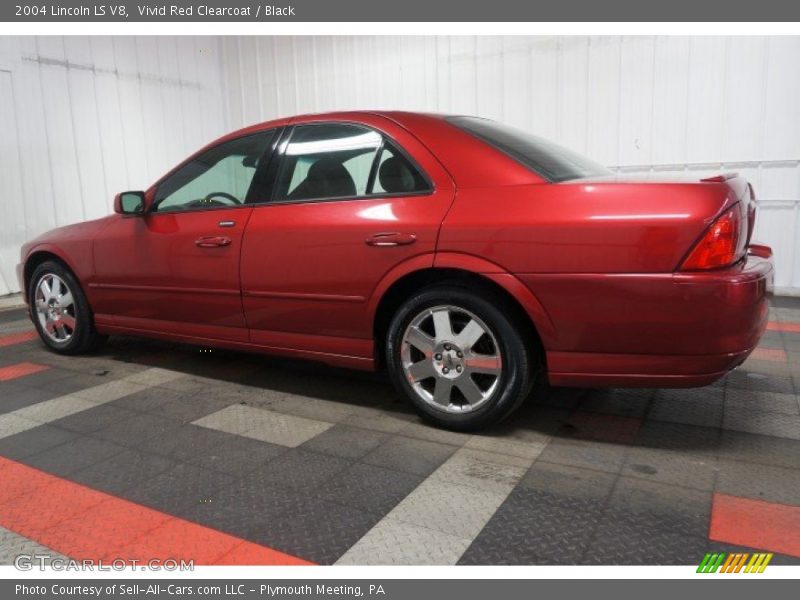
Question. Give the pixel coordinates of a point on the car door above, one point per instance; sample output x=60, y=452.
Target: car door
x=350, y=203
x=176, y=268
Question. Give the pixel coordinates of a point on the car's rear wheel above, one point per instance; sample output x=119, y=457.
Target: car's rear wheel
x=60, y=310
x=459, y=357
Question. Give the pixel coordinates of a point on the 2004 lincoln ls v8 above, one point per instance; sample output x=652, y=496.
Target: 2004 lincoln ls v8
x=465, y=256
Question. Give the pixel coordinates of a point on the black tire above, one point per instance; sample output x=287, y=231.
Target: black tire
x=518, y=355
x=83, y=338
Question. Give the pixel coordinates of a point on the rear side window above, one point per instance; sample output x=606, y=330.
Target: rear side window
x=396, y=174
x=340, y=160
x=327, y=161
x=553, y=162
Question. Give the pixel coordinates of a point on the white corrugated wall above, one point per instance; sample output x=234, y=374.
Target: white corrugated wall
x=129, y=108
x=650, y=105
x=82, y=118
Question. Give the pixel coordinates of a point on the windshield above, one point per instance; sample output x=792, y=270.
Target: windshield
x=553, y=162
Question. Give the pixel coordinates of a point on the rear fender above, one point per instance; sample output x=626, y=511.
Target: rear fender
x=470, y=264
x=518, y=290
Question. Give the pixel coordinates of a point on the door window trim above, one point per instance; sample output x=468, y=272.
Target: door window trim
x=263, y=166
x=277, y=158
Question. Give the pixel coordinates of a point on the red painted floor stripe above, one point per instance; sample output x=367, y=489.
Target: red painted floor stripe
x=17, y=338
x=20, y=370
x=83, y=523
x=770, y=354
x=785, y=326
x=756, y=524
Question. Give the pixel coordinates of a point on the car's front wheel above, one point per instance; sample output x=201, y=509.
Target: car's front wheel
x=459, y=357
x=60, y=310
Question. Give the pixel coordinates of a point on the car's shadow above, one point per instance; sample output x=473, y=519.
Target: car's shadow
x=596, y=416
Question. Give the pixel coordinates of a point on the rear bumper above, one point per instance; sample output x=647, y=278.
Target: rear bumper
x=637, y=370
x=670, y=330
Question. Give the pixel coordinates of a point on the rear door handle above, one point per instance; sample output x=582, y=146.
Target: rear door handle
x=391, y=239
x=212, y=241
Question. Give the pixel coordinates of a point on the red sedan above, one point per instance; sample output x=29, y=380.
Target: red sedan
x=466, y=257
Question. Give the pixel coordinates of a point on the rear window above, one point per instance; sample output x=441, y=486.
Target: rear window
x=553, y=162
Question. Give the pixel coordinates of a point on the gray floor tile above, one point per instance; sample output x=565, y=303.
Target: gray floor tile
x=319, y=531
x=369, y=488
x=296, y=471
x=13, y=397
x=234, y=455
x=413, y=456
x=652, y=505
x=625, y=402
x=768, y=423
x=185, y=442
x=762, y=482
x=33, y=441
x=346, y=442
x=178, y=489
x=761, y=401
x=533, y=527
x=700, y=406
x=620, y=540
x=569, y=482
x=123, y=471
x=586, y=454
x=72, y=456
x=93, y=418
x=762, y=449
x=678, y=436
x=667, y=466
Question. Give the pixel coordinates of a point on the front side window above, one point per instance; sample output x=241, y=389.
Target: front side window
x=553, y=162
x=218, y=177
x=340, y=160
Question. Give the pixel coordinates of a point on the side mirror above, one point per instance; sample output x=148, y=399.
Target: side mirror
x=129, y=203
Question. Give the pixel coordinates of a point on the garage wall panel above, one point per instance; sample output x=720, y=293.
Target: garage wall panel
x=545, y=90
x=604, y=100
x=12, y=234
x=85, y=117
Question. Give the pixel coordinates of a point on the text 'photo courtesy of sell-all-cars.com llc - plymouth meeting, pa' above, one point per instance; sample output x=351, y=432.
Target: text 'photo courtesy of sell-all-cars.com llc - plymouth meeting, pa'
x=468, y=259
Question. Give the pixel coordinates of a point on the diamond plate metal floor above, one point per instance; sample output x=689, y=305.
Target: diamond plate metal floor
x=330, y=466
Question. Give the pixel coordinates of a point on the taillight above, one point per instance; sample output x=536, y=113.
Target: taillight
x=722, y=245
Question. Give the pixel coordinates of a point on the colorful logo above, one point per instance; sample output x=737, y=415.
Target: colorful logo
x=734, y=563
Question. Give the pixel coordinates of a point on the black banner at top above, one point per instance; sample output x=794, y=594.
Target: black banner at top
x=398, y=11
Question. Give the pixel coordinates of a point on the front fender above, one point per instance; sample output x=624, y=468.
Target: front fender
x=43, y=247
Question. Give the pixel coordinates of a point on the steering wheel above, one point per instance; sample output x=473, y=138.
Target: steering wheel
x=210, y=198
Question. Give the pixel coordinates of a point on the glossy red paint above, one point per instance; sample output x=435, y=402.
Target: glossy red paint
x=594, y=263
x=151, y=269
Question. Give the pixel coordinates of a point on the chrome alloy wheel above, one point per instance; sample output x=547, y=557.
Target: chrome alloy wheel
x=451, y=359
x=55, y=308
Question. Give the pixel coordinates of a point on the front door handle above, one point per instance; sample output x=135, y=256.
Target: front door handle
x=391, y=239
x=212, y=241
